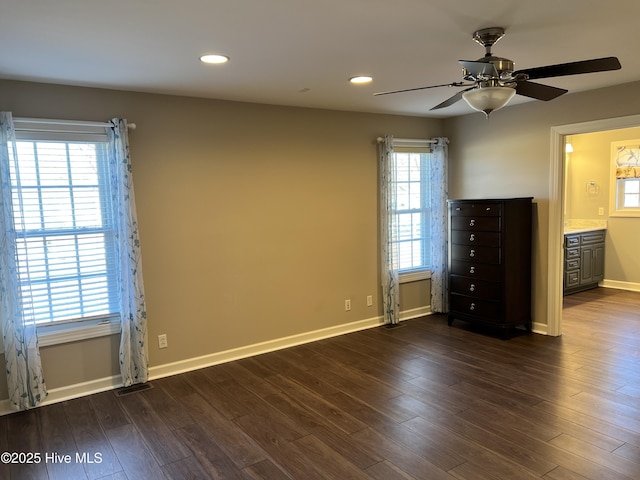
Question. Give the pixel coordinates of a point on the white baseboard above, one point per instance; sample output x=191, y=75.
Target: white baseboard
x=415, y=313
x=70, y=392
x=109, y=383
x=541, y=328
x=630, y=286
x=196, y=363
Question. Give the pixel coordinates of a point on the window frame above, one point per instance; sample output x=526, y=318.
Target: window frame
x=43, y=130
x=616, y=196
x=422, y=272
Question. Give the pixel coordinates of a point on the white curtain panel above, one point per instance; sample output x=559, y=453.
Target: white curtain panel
x=389, y=274
x=134, y=362
x=25, y=381
x=439, y=227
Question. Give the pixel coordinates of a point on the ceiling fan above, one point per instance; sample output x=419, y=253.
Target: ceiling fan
x=490, y=82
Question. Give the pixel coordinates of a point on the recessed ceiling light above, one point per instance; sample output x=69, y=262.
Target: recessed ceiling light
x=214, y=58
x=360, y=79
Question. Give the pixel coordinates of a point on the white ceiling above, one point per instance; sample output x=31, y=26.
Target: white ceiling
x=302, y=52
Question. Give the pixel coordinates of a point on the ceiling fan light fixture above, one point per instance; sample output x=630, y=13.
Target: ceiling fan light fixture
x=488, y=99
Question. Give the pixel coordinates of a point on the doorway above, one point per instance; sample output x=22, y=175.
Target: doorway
x=556, y=208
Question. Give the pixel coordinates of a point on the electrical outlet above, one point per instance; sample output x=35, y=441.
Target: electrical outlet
x=347, y=305
x=369, y=300
x=162, y=341
x=601, y=211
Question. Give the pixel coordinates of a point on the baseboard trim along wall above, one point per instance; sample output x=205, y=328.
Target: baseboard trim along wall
x=631, y=286
x=70, y=392
x=110, y=383
x=540, y=328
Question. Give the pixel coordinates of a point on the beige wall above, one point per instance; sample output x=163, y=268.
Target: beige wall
x=591, y=161
x=508, y=155
x=256, y=221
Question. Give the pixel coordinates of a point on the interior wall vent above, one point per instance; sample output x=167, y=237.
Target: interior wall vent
x=138, y=387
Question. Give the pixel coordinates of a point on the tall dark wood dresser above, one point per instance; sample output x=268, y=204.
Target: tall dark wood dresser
x=490, y=262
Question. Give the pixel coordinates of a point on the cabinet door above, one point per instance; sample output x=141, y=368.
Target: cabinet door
x=586, y=265
x=598, y=263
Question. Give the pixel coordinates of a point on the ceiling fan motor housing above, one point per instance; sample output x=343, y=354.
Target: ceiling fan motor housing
x=503, y=66
x=487, y=37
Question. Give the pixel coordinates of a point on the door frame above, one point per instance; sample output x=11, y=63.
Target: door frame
x=556, y=210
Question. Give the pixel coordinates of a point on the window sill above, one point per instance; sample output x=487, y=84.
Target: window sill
x=414, y=276
x=74, y=334
x=626, y=213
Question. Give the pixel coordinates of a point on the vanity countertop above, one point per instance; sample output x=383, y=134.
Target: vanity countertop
x=571, y=231
x=583, y=225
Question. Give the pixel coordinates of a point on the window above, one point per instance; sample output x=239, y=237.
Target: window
x=411, y=233
x=65, y=224
x=629, y=192
x=625, y=188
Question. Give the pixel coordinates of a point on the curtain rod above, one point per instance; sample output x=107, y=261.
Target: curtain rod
x=71, y=123
x=409, y=140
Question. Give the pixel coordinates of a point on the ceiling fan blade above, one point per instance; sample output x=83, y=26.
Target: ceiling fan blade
x=539, y=91
x=573, y=68
x=477, y=69
x=451, y=100
x=454, y=84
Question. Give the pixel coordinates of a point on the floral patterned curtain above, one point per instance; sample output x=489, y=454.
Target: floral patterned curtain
x=25, y=380
x=389, y=274
x=439, y=228
x=628, y=162
x=134, y=363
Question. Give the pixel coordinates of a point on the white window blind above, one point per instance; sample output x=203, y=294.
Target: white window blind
x=411, y=232
x=65, y=221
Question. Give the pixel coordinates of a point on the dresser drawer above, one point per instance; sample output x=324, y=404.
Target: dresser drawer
x=475, y=254
x=472, y=306
x=591, y=238
x=476, y=209
x=473, y=287
x=571, y=279
x=471, y=224
x=488, y=239
x=571, y=253
x=481, y=271
x=571, y=241
x=573, y=264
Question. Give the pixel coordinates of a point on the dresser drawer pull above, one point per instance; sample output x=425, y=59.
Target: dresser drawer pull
x=472, y=222
x=472, y=288
x=472, y=306
x=472, y=237
x=472, y=253
x=472, y=269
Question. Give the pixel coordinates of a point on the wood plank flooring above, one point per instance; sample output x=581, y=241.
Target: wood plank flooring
x=423, y=401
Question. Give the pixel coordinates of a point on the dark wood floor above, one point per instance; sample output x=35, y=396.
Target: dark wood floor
x=421, y=401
